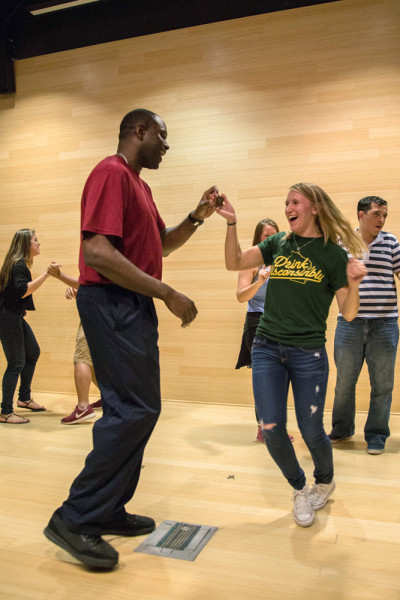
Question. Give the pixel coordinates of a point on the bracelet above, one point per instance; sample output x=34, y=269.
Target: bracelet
x=195, y=221
x=231, y=224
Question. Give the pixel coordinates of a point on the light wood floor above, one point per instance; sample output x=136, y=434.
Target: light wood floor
x=203, y=466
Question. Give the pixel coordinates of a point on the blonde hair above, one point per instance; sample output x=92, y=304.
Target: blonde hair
x=20, y=249
x=329, y=220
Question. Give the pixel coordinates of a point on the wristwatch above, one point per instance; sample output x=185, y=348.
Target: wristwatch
x=195, y=221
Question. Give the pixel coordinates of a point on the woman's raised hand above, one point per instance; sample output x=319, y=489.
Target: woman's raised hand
x=226, y=210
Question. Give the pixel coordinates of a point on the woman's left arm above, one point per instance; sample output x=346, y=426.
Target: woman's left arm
x=35, y=284
x=22, y=281
x=348, y=297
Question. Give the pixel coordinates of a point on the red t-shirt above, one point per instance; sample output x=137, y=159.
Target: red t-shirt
x=117, y=202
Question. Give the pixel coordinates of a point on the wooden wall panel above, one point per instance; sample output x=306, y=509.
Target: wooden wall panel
x=253, y=105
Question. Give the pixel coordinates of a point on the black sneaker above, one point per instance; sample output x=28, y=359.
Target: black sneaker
x=92, y=550
x=338, y=438
x=131, y=525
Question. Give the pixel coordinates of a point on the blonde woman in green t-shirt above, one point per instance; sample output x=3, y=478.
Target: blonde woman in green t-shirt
x=308, y=268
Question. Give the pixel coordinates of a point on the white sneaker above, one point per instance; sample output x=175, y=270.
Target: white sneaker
x=320, y=494
x=303, y=510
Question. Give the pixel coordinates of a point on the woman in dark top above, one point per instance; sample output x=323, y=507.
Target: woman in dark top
x=19, y=343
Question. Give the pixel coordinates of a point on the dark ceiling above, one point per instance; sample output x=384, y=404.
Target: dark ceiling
x=24, y=33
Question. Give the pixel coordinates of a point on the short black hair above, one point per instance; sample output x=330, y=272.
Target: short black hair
x=365, y=203
x=139, y=116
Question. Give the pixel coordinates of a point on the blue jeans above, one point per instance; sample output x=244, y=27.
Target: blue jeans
x=121, y=331
x=374, y=340
x=22, y=352
x=274, y=367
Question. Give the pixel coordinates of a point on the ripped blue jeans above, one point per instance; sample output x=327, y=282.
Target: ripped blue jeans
x=274, y=366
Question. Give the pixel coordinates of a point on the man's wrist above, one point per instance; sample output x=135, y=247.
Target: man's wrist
x=195, y=220
x=164, y=291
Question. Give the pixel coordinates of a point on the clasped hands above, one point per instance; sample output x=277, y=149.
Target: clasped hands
x=53, y=269
x=211, y=202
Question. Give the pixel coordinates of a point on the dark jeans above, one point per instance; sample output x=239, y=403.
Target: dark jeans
x=307, y=369
x=375, y=341
x=22, y=352
x=121, y=331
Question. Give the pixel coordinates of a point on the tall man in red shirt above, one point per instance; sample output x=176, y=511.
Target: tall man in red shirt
x=123, y=239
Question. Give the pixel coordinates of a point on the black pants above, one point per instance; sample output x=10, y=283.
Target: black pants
x=22, y=352
x=121, y=330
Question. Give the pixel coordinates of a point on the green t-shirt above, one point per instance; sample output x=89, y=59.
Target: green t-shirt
x=300, y=288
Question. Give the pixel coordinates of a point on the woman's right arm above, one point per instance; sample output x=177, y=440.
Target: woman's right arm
x=237, y=259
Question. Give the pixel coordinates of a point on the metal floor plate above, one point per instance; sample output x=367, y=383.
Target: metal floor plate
x=174, y=539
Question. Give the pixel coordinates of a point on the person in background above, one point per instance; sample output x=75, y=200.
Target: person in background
x=18, y=340
x=308, y=269
x=251, y=288
x=372, y=336
x=84, y=373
